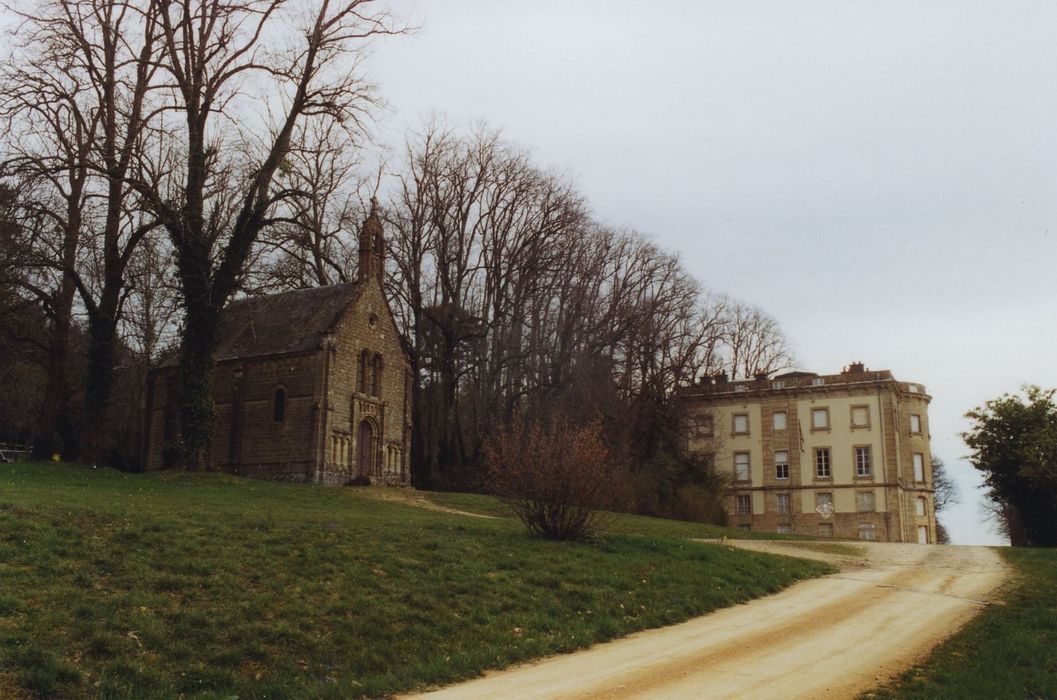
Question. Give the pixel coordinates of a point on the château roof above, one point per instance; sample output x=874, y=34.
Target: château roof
x=797, y=382
x=279, y=324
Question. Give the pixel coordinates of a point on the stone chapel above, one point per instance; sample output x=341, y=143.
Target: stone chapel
x=312, y=385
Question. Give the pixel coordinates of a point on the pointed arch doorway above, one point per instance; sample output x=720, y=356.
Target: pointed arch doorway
x=364, y=448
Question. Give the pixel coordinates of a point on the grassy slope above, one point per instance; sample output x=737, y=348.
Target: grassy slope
x=1008, y=651
x=161, y=585
x=617, y=523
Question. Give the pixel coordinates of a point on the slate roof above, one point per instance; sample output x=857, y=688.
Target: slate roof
x=279, y=324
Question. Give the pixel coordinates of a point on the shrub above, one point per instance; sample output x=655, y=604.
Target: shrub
x=557, y=480
x=680, y=486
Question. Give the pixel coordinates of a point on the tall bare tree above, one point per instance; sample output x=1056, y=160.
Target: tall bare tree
x=512, y=299
x=91, y=60
x=317, y=244
x=754, y=342
x=49, y=138
x=212, y=181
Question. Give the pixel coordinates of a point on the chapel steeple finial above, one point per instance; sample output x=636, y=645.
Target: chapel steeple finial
x=372, y=247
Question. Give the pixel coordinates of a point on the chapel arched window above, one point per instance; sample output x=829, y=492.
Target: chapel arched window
x=364, y=374
x=279, y=405
x=376, y=375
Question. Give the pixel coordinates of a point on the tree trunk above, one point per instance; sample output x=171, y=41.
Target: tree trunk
x=100, y=380
x=46, y=439
x=421, y=476
x=196, y=385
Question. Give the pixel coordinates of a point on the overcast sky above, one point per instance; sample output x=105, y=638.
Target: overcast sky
x=879, y=176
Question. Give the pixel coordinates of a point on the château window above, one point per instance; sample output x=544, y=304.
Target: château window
x=743, y=505
x=864, y=501
x=782, y=503
x=741, y=466
x=860, y=416
x=822, y=463
x=279, y=406
x=820, y=419
x=825, y=529
x=922, y=507
x=863, y=466
x=919, y=467
x=741, y=423
x=781, y=464
x=785, y=529
x=702, y=426
x=915, y=424
x=779, y=420
x=867, y=531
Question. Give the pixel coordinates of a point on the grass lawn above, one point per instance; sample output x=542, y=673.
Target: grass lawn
x=1008, y=651
x=616, y=523
x=205, y=585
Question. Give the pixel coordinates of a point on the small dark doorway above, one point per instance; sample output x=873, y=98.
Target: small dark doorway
x=365, y=447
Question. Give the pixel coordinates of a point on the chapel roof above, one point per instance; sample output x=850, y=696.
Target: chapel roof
x=279, y=324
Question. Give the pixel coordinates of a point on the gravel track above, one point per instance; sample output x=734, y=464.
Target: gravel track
x=831, y=637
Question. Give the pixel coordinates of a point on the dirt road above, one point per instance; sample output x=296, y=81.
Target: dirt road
x=832, y=637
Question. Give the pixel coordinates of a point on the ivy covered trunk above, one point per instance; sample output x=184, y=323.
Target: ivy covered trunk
x=100, y=380
x=196, y=387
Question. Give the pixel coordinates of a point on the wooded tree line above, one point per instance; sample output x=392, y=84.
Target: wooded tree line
x=1013, y=439
x=164, y=156
x=514, y=300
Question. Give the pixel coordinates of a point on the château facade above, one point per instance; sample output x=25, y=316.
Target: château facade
x=842, y=455
x=310, y=385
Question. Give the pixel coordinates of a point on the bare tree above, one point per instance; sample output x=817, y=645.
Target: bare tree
x=149, y=326
x=317, y=244
x=753, y=342
x=480, y=236
x=511, y=299
x=86, y=65
x=49, y=140
x=212, y=181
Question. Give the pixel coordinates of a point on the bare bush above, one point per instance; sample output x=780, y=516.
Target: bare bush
x=557, y=480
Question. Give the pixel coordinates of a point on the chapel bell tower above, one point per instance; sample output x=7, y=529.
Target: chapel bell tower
x=372, y=247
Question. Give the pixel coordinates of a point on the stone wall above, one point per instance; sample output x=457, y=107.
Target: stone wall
x=324, y=406
x=369, y=327
x=888, y=406
x=246, y=438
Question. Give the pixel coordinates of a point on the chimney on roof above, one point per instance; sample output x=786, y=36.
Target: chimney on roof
x=721, y=378
x=856, y=368
x=761, y=376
